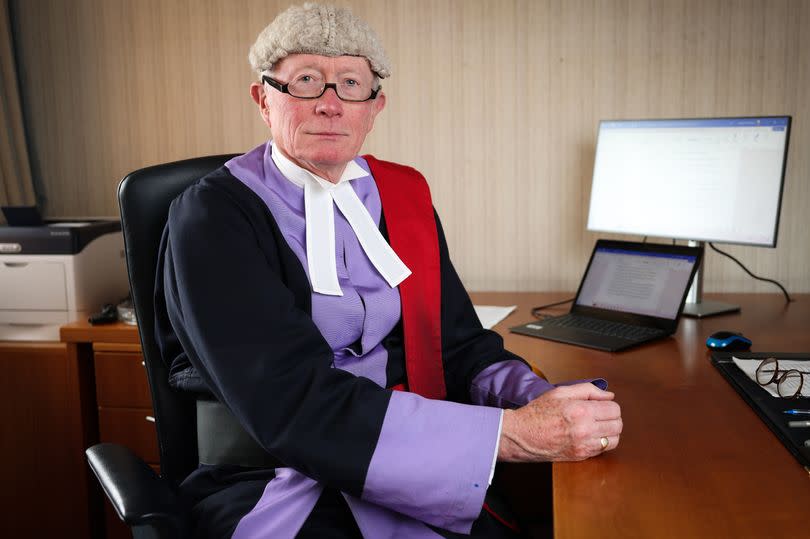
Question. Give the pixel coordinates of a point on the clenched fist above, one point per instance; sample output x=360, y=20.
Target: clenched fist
x=566, y=423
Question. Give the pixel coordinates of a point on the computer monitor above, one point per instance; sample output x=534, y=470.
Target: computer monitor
x=696, y=179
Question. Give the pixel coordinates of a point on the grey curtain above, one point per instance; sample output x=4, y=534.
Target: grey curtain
x=16, y=187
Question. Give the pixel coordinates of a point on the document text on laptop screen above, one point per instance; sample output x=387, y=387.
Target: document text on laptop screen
x=651, y=284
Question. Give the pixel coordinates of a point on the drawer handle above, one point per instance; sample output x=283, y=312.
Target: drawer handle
x=143, y=364
x=150, y=419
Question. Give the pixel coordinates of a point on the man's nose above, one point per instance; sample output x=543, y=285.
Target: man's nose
x=329, y=103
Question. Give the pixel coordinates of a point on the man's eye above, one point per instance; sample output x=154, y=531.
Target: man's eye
x=308, y=79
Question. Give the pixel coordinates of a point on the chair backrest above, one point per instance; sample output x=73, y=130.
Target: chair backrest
x=144, y=197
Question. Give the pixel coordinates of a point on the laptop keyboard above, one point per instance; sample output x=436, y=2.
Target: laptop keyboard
x=603, y=327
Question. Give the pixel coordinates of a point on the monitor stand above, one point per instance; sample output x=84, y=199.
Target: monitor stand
x=695, y=305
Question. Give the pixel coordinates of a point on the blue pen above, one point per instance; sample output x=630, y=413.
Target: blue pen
x=797, y=412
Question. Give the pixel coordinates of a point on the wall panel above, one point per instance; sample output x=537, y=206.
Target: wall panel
x=496, y=102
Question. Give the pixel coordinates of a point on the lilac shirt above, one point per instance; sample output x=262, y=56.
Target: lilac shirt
x=442, y=478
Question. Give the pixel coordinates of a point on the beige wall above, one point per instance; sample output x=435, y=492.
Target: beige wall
x=496, y=102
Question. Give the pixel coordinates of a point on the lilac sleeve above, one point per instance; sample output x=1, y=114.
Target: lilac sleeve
x=512, y=383
x=433, y=459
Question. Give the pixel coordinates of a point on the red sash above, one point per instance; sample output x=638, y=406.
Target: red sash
x=408, y=213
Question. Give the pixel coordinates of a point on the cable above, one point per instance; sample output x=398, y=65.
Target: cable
x=536, y=310
x=787, y=297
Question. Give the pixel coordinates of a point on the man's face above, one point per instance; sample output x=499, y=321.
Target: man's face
x=322, y=134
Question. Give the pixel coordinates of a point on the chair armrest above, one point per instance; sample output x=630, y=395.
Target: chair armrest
x=138, y=494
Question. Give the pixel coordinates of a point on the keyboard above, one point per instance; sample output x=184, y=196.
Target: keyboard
x=603, y=327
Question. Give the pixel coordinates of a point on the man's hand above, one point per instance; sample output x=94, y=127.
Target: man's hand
x=566, y=423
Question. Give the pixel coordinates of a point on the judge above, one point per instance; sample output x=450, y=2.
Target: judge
x=305, y=294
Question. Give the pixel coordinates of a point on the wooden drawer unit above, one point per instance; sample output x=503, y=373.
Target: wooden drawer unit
x=123, y=404
x=121, y=379
x=130, y=427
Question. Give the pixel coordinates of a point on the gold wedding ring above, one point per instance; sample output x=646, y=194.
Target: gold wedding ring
x=605, y=442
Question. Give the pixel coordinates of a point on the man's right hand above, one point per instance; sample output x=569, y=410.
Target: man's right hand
x=566, y=423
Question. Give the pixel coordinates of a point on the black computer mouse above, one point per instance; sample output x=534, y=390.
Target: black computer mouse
x=728, y=340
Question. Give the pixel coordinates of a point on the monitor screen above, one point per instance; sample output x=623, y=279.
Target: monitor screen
x=639, y=282
x=717, y=179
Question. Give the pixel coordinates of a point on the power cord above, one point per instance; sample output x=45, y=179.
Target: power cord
x=540, y=316
x=782, y=288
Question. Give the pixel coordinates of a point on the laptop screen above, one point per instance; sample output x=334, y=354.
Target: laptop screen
x=639, y=282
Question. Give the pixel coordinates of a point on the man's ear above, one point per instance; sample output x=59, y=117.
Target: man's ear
x=379, y=102
x=377, y=107
x=259, y=97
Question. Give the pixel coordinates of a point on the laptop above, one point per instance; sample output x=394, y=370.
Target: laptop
x=631, y=293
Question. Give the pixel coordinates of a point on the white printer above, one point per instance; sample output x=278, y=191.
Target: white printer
x=55, y=273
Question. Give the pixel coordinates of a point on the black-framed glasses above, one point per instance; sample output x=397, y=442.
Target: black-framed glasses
x=309, y=87
x=789, y=382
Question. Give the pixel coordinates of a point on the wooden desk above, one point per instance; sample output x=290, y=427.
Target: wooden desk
x=694, y=459
x=45, y=427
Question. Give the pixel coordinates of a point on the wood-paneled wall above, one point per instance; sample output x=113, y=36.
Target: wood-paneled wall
x=496, y=102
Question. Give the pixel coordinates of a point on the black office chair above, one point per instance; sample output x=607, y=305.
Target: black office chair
x=145, y=502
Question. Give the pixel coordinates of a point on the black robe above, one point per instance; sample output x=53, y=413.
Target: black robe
x=233, y=321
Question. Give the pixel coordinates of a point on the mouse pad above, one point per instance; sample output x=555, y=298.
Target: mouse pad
x=770, y=409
